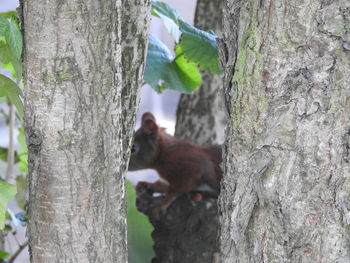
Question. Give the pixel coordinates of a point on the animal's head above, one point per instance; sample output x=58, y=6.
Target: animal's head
x=145, y=148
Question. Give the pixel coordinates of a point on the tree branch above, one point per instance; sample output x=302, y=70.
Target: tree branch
x=18, y=251
x=187, y=232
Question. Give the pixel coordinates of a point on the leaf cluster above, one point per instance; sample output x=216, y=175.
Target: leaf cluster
x=194, y=49
x=11, y=45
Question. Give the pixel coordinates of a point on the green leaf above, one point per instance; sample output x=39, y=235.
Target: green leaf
x=4, y=255
x=9, y=14
x=139, y=231
x=8, y=86
x=22, y=218
x=7, y=193
x=14, y=99
x=7, y=56
x=3, y=92
x=3, y=155
x=12, y=91
x=161, y=8
x=200, y=47
x=170, y=18
x=4, y=25
x=190, y=74
x=7, y=216
x=14, y=38
x=7, y=228
x=21, y=183
x=162, y=71
x=23, y=151
x=10, y=68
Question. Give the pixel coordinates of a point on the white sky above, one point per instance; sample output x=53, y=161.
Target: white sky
x=8, y=5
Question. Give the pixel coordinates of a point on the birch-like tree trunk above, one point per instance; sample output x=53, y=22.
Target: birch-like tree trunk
x=201, y=115
x=285, y=194
x=83, y=67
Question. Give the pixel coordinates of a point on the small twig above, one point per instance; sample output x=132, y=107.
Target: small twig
x=4, y=113
x=11, y=148
x=15, y=237
x=18, y=251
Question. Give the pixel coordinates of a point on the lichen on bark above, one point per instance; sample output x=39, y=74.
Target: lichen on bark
x=288, y=100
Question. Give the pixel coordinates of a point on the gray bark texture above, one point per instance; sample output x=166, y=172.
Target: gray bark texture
x=285, y=192
x=187, y=233
x=83, y=67
x=201, y=114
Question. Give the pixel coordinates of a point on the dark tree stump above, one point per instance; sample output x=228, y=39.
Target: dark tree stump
x=187, y=232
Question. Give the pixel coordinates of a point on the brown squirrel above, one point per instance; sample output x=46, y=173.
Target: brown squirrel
x=182, y=166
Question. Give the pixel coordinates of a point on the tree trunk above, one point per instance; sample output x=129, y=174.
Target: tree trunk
x=200, y=115
x=78, y=100
x=187, y=232
x=285, y=194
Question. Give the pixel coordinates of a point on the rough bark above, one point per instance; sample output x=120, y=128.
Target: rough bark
x=285, y=193
x=135, y=29
x=77, y=102
x=200, y=115
x=186, y=233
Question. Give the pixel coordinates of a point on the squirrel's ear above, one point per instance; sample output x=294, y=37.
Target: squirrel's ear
x=149, y=125
x=148, y=116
